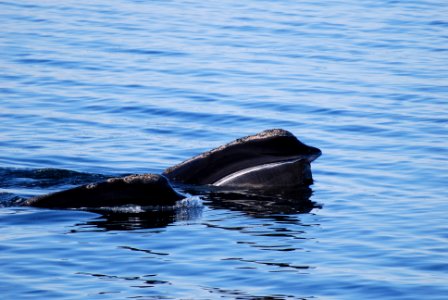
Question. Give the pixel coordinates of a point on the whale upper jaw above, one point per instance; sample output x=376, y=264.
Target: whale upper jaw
x=250, y=153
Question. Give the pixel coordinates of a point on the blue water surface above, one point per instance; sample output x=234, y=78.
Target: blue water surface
x=92, y=89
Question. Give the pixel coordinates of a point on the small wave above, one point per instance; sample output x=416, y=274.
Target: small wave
x=189, y=202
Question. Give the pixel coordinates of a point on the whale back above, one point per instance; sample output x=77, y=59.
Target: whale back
x=269, y=146
x=143, y=190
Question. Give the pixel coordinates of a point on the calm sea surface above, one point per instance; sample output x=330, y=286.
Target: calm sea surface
x=91, y=89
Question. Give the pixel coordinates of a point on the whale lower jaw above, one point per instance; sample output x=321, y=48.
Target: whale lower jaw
x=289, y=173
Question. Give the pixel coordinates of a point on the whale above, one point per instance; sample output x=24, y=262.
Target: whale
x=273, y=159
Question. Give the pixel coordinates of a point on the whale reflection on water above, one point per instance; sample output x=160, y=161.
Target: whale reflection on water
x=271, y=204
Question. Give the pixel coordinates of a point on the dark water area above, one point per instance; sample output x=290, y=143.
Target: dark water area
x=94, y=89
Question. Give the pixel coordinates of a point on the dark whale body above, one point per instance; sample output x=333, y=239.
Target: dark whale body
x=272, y=159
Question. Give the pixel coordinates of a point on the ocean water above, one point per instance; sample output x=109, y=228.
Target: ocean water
x=93, y=89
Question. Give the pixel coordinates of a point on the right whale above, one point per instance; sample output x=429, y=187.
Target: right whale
x=273, y=158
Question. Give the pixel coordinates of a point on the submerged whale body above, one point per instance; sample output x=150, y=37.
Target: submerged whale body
x=272, y=159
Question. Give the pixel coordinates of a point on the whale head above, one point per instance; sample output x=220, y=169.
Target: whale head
x=272, y=158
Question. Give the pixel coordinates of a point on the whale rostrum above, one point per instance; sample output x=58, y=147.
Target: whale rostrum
x=272, y=159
